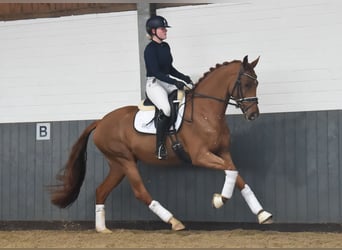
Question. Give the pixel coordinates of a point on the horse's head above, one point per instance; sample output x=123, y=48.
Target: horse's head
x=244, y=91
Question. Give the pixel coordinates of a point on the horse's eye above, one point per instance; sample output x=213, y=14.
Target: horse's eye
x=248, y=85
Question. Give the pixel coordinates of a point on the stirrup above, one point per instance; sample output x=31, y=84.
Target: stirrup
x=161, y=152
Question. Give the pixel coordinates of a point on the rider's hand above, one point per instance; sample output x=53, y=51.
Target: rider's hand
x=179, y=84
x=187, y=79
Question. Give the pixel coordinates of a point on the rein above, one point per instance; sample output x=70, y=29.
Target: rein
x=237, y=101
x=229, y=97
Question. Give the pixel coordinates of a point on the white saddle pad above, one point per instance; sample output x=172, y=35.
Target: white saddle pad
x=143, y=120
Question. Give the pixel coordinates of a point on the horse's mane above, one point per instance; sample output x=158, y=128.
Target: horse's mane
x=218, y=65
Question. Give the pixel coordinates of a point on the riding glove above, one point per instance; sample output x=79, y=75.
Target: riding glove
x=187, y=79
x=179, y=84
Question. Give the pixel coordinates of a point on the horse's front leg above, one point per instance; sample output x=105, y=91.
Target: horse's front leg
x=254, y=205
x=227, y=190
x=233, y=178
x=222, y=162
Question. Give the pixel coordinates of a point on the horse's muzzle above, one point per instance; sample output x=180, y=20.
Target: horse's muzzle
x=250, y=109
x=252, y=116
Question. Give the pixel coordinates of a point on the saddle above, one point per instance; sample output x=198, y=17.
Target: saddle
x=145, y=120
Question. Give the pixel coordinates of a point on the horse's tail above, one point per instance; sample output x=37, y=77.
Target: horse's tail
x=72, y=175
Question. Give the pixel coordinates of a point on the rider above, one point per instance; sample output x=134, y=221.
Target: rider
x=159, y=69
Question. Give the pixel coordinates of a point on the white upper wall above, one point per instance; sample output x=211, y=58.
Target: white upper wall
x=82, y=67
x=299, y=43
x=68, y=68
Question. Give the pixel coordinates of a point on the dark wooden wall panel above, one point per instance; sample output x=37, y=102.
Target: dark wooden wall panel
x=18, y=11
x=292, y=161
x=311, y=167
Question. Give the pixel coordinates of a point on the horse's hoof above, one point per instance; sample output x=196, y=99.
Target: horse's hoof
x=265, y=217
x=176, y=224
x=218, y=200
x=104, y=231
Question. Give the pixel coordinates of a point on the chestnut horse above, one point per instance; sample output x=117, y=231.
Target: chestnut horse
x=204, y=135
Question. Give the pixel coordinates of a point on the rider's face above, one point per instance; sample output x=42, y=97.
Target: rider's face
x=161, y=33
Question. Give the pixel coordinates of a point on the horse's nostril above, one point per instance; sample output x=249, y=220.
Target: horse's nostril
x=252, y=117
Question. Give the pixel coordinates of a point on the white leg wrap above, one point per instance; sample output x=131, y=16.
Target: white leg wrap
x=229, y=183
x=159, y=210
x=251, y=200
x=100, y=219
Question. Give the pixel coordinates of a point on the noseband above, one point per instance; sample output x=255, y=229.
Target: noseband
x=237, y=101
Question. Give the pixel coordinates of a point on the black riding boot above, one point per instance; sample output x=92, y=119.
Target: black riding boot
x=162, y=126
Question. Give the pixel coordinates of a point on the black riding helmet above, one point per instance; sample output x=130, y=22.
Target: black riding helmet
x=155, y=22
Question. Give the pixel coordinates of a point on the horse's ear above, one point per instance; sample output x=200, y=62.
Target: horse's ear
x=245, y=62
x=255, y=62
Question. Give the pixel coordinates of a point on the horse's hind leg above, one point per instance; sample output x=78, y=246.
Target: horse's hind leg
x=264, y=217
x=113, y=179
x=140, y=192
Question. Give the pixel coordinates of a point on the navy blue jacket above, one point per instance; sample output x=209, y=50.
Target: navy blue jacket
x=158, y=62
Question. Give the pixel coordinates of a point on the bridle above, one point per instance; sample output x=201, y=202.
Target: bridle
x=238, y=102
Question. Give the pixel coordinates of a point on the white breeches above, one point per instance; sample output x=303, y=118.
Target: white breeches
x=157, y=91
